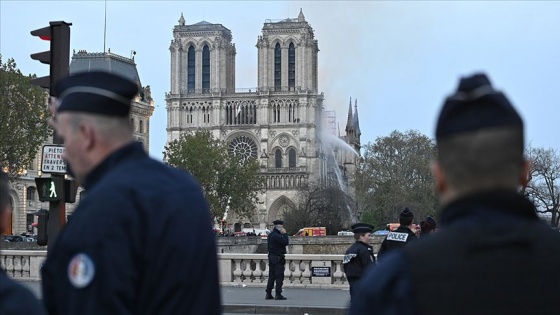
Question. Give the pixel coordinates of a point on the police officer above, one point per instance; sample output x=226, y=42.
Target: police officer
x=14, y=298
x=125, y=250
x=277, y=242
x=400, y=236
x=492, y=254
x=427, y=226
x=359, y=256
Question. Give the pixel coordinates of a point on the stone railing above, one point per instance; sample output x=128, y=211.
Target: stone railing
x=23, y=264
x=301, y=270
x=235, y=269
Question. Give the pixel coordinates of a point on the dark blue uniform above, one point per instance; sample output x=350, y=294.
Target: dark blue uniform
x=277, y=243
x=492, y=256
x=140, y=242
x=356, y=260
x=15, y=299
x=395, y=240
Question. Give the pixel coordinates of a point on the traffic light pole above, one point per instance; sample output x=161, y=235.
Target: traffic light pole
x=58, y=33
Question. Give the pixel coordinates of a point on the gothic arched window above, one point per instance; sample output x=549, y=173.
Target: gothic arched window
x=291, y=66
x=292, y=158
x=205, y=69
x=278, y=158
x=190, y=69
x=277, y=67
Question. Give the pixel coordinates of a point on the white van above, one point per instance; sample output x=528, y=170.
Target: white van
x=262, y=232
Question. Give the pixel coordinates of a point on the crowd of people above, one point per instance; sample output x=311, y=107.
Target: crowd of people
x=490, y=254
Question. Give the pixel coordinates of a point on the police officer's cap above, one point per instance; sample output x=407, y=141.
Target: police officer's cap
x=278, y=222
x=475, y=105
x=406, y=213
x=362, y=228
x=96, y=92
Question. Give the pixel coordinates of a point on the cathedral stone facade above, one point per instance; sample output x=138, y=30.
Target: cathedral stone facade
x=280, y=122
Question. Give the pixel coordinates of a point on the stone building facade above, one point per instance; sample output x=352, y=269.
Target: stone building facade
x=281, y=122
x=24, y=196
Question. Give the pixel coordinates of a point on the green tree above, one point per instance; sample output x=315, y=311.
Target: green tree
x=544, y=182
x=394, y=174
x=24, y=115
x=226, y=179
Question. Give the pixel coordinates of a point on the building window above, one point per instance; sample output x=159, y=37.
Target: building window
x=141, y=126
x=278, y=158
x=190, y=68
x=132, y=124
x=291, y=66
x=292, y=158
x=205, y=69
x=277, y=67
x=31, y=193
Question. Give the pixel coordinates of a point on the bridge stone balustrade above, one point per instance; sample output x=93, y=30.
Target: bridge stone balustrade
x=234, y=269
x=252, y=270
x=23, y=264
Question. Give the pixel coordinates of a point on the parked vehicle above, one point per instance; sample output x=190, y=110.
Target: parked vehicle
x=414, y=227
x=312, y=231
x=345, y=233
x=13, y=238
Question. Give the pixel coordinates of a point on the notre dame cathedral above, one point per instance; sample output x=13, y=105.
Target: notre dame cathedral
x=282, y=122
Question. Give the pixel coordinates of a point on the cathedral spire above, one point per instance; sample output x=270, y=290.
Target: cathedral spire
x=349, y=122
x=356, y=120
x=301, y=17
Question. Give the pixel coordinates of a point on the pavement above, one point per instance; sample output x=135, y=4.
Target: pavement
x=250, y=300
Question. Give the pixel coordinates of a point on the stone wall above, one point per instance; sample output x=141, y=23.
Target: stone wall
x=330, y=245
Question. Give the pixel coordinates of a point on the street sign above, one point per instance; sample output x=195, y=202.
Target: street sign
x=52, y=161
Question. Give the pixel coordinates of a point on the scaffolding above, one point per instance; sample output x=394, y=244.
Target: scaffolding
x=330, y=122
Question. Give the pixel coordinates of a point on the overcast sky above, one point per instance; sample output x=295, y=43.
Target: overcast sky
x=398, y=58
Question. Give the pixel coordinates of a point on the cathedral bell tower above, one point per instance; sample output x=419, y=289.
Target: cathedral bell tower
x=287, y=56
x=202, y=58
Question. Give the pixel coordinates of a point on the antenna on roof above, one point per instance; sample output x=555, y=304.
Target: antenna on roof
x=132, y=54
x=105, y=27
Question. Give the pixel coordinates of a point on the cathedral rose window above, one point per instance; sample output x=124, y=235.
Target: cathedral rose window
x=243, y=146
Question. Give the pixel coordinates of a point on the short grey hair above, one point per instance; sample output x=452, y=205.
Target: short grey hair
x=483, y=159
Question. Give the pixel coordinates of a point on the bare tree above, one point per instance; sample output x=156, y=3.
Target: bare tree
x=544, y=182
x=326, y=206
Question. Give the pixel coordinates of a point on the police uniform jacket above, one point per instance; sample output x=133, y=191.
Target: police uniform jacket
x=357, y=258
x=140, y=242
x=277, y=243
x=396, y=239
x=492, y=256
x=15, y=299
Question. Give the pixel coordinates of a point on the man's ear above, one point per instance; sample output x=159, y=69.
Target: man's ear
x=439, y=176
x=87, y=136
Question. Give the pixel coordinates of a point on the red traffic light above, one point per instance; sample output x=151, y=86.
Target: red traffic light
x=43, y=33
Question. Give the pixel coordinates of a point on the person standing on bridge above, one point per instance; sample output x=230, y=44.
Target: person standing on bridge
x=492, y=254
x=359, y=256
x=14, y=298
x=277, y=242
x=427, y=226
x=125, y=250
x=399, y=237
